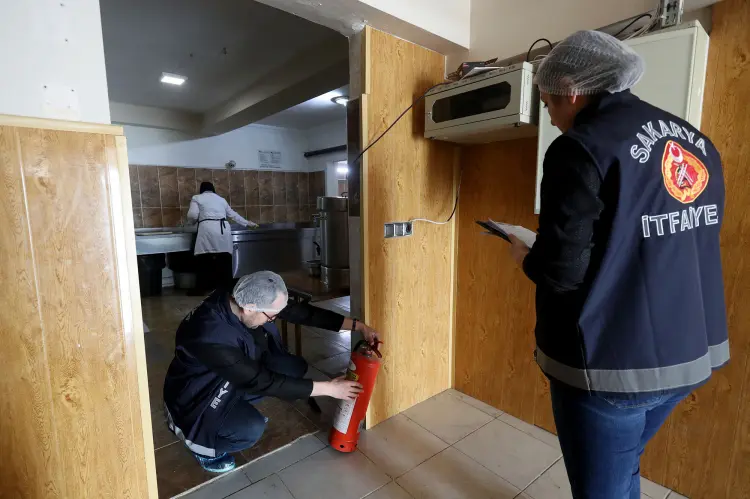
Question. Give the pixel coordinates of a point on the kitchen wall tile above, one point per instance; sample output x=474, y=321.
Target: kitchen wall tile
x=303, y=187
x=152, y=217
x=305, y=214
x=202, y=175
x=253, y=214
x=168, y=187
x=236, y=188
x=266, y=215
x=221, y=183
x=317, y=186
x=265, y=186
x=186, y=185
x=148, y=178
x=279, y=213
x=135, y=186
x=241, y=211
x=291, y=179
x=171, y=217
x=137, y=218
x=292, y=213
x=279, y=188
x=252, y=188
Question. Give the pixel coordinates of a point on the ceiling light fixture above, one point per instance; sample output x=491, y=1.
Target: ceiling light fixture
x=341, y=100
x=173, y=79
x=342, y=170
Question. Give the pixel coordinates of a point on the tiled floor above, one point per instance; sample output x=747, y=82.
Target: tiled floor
x=177, y=470
x=448, y=447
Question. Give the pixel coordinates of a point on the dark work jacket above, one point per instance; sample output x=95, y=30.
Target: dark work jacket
x=218, y=361
x=630, y=296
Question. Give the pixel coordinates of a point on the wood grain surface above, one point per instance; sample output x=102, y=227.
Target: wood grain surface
x=72, y=419
x=407, y=281
x=495, y=314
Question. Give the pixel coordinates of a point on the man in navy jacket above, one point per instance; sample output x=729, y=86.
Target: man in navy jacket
x=630, y=296
x=228, y=355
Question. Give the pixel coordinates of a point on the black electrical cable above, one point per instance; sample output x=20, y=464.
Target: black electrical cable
x=458, y=191
x=528, y=54
x=394, y=123
x=632, y=23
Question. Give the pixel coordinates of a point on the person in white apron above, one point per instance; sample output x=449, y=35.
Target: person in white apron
x=213, y=246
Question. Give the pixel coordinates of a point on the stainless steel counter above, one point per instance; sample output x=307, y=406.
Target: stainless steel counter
x=279, y=247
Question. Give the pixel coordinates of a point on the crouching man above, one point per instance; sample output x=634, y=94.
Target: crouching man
x=229, y=355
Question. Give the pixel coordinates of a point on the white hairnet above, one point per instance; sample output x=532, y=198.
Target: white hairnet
x=589, y=62
x=260, y=289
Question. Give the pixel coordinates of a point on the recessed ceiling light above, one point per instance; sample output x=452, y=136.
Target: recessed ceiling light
x=173, y=79
x=341, y=99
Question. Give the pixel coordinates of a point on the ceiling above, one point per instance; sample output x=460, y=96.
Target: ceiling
x=312, y=113
x=143, y=38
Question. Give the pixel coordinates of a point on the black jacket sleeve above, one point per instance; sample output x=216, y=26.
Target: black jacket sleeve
x=248, y=375
x=305, y=314
x=570, y=206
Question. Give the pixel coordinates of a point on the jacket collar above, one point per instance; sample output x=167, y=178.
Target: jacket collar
x=601, y=102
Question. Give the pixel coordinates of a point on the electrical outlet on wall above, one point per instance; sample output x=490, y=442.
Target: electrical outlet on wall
x=398, y=229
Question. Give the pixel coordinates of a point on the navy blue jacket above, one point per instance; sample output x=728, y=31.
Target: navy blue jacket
x=218, y=361
x=630, y=295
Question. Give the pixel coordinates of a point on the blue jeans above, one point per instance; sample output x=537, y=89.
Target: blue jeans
x=602, y=438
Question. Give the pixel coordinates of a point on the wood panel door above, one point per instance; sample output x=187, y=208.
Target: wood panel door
x=408, y=282
x=74, y=416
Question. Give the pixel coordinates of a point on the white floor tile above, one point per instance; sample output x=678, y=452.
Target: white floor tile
x=283, y=458
x=536, y=432
x=509, y=452
x=390, y=491
x=478, y=404
x=675, y=495
x=399, y=445
x=553, y=484
x=448, y=417
x=653, y=490
x=453, y=475
x=221, y=487
x=328, y=474
x=270, y=488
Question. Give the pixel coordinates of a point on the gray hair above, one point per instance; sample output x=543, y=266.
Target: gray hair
x=260, y=289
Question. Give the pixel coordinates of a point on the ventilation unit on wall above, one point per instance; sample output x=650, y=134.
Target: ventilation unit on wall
x=499, y=105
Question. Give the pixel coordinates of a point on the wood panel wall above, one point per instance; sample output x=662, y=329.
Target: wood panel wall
x=407, y=281
x=703, y=451
x=495, y=302
x=74, y=415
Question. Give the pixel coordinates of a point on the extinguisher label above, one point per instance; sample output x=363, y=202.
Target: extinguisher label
x=343, y=415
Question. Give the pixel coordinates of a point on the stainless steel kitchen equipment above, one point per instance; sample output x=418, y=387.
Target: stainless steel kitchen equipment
x=334, y=240
x=279, y=247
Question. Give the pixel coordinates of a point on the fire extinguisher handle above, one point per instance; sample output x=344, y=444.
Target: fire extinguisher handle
x=373, y=348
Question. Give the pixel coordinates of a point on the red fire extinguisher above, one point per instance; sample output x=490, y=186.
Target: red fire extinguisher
x=350, y=414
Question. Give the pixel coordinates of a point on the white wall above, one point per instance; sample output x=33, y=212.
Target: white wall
x=57, y=45
x=505, y=28
x=449, y=19
x=322, y=137
x=159, y=147
x=153, y=146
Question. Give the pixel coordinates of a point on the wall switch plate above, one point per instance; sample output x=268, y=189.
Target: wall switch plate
x=398, y=229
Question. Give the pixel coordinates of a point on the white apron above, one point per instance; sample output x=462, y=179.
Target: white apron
x=210, y=211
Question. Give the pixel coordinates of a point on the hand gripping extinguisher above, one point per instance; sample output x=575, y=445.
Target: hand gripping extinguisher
x=350, y=414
